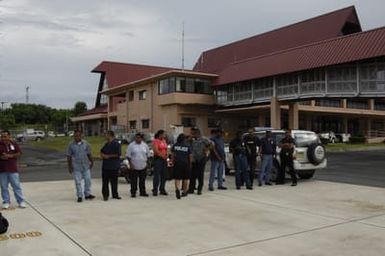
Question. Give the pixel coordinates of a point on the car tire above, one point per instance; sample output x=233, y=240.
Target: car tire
x=316, y=153
x=306, y=174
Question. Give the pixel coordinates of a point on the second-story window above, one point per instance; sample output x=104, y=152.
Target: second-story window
x=142, y=95
x=130, y=95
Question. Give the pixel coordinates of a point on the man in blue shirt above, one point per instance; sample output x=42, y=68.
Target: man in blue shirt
x=267, y=151
x=217, y=156
x=80, y=163
x=110, y=153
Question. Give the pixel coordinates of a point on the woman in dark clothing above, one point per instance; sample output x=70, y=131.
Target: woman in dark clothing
x=182, y=158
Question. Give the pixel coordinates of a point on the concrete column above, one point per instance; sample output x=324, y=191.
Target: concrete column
x=344, y=103
x=293, y=116
x=345, y=124
x=261, y=120
x=371, y=104
x=275, y=113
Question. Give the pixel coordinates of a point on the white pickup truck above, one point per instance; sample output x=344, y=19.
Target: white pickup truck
x=30, y=134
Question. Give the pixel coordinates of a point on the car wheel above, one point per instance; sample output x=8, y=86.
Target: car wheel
x=316, y=153
x=306, y=174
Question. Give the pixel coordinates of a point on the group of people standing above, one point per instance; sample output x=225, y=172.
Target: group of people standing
x=187, y=157
x=245, y=150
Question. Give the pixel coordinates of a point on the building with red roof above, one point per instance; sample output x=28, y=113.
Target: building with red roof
x=323, y=73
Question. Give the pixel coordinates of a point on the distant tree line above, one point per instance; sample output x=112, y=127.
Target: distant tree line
x=37, y=114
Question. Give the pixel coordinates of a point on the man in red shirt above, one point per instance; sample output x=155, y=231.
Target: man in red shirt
x=9, y=152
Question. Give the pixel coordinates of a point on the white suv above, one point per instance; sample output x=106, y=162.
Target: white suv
x=310, y=154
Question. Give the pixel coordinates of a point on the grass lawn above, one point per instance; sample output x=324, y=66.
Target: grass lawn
x=61, y=144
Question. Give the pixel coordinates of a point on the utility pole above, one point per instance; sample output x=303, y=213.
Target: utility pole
x=27, y=94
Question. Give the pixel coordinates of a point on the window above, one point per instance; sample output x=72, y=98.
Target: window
x=213, y=122
x=358, y=104
x=188, y=121
x=133, y=124
x=145, y=123
x=313, y=81
x=142, y=95
x=103, y=99
x=328, y=103
x=342, y=79
x=287, y=84
x=130, y=95
x=185, y=84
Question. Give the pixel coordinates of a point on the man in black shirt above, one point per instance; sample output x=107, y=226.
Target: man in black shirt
x=251, y=142
x=110, y=153
x=237, y=147
x=287, y=160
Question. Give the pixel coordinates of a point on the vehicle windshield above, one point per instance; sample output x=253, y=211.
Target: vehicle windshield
x=304, y=139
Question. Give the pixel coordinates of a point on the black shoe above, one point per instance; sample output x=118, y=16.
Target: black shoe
x=249, y=188
x=154, y=193
x=133, y=195
x=199, y=192
x=117, y=197
x=163, y=193
x=105, y=198
x=191, y=191
x=184, y=194
x=279, y=183
x=268, y=183
x=89, y=197
x=80, y=199
x=177, y=193
x=211, y=189
x=222, y=188
x=294, y=184
x=144, y=194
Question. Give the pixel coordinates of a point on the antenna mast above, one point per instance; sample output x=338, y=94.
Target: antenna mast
x=183, y=46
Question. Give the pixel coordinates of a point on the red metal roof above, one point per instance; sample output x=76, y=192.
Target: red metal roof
x=323, y=27
x=120, y=73
x=97, y=110
x=335, y=51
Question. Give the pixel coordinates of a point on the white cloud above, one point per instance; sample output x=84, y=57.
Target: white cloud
x=53, y=45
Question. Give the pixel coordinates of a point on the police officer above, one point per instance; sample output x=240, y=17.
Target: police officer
x=237, y=147
x=286, y=155
x=251, y=142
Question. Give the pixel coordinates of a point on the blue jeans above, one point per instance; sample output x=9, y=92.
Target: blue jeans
x=267, y=164
x=241, y=171
x=160, y=175
x=12, y=178
x=216, y=166
x=78, y=175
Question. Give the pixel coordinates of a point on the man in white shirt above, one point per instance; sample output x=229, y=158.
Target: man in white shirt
x=137, y=154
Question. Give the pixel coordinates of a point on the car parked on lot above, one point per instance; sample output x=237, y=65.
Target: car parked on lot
x=30, y=135
x=310, y=154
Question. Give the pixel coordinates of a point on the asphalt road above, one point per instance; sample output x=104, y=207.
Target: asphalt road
x=361, y=168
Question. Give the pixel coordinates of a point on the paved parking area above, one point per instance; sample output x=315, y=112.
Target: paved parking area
x=315, y=218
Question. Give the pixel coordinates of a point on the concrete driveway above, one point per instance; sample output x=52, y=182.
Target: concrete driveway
x=315, y=218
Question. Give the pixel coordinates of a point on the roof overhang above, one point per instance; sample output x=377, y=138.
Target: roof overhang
x=89, y=117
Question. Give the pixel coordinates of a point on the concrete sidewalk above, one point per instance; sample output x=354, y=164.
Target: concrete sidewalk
x=315, y=218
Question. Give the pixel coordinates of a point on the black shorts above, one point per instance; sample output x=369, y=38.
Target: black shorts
x=181, y=171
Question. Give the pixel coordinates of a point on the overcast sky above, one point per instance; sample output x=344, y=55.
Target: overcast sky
x=52, y=45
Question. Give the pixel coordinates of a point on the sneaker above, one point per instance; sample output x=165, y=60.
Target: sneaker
x=80, y=199
x=5, y=206
x=222, y=188
x=89, y=197
x=23, y=205
x=177, y=193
